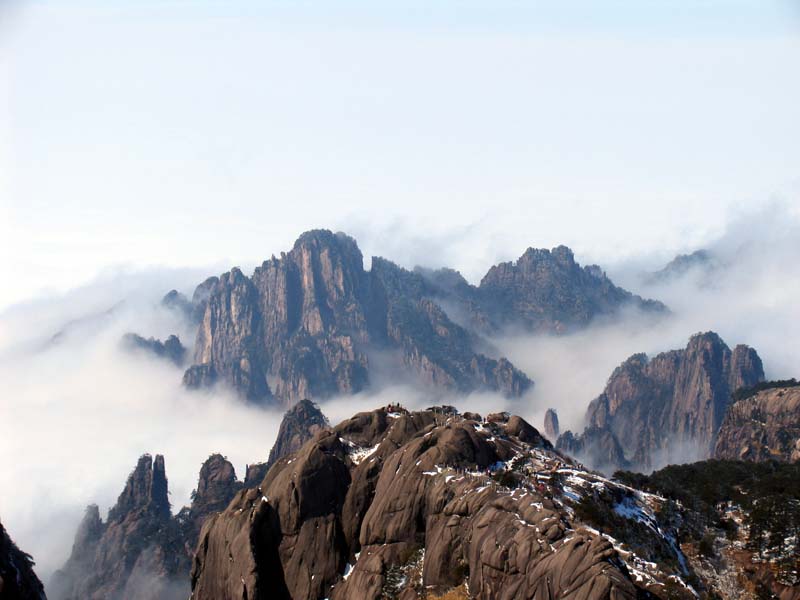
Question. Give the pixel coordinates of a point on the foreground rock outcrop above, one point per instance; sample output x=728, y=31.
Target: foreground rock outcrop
x=299, y=424
x=392, y=504
x=763, y=426
x=18, y=581
x=668, y=408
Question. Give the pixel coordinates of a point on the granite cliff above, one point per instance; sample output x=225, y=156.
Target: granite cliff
x=305, y=324
x=141, y=551
x=544, y=291
x=665, y=409
x=551, y=427
x=299, y=424
x=314, y=323
x=763, y=426
x=136, y=553
x=392, y=504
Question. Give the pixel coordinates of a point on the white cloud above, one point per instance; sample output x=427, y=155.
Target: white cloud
x=75, y=415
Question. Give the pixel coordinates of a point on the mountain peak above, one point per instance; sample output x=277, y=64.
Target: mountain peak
x=325, y=238
x=657, y=408
x=216, y=470
x=706, y=337
x=146, y=489
x=562, y=254
x=300, y=423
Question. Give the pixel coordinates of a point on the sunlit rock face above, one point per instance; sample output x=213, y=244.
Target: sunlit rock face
x=763, y=426
x=401, y=504
x=305, y=324
x=309, y=323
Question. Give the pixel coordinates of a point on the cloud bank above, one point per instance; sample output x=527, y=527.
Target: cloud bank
x=78, y=410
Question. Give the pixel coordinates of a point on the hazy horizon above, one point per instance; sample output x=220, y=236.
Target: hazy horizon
x=205, y=134
x=145, y=146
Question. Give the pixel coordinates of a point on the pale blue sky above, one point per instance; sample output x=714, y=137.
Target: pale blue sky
x=191, y=133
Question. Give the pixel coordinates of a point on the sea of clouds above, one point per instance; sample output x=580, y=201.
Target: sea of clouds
x=78, y=409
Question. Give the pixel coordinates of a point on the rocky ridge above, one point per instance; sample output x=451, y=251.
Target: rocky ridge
x=193, y=309
x=544, y=291
x=665, y=409
x=141, y=551
x=408, y=505
x=396, y=504
x=700, y=261
x=762, y=427
x=304, y=326
x=314, y=323
x=136, y=553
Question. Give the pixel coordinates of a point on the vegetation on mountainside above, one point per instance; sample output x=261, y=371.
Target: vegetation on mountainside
x=747, y=392
x=766, y=493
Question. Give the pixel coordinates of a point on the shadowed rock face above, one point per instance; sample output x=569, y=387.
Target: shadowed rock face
x=255, y=474
x=299, y=424
x=765, y=426
x=171, y=348
x=304, y=326
x=17, y=578
x=398, y=504
x=669, y=408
